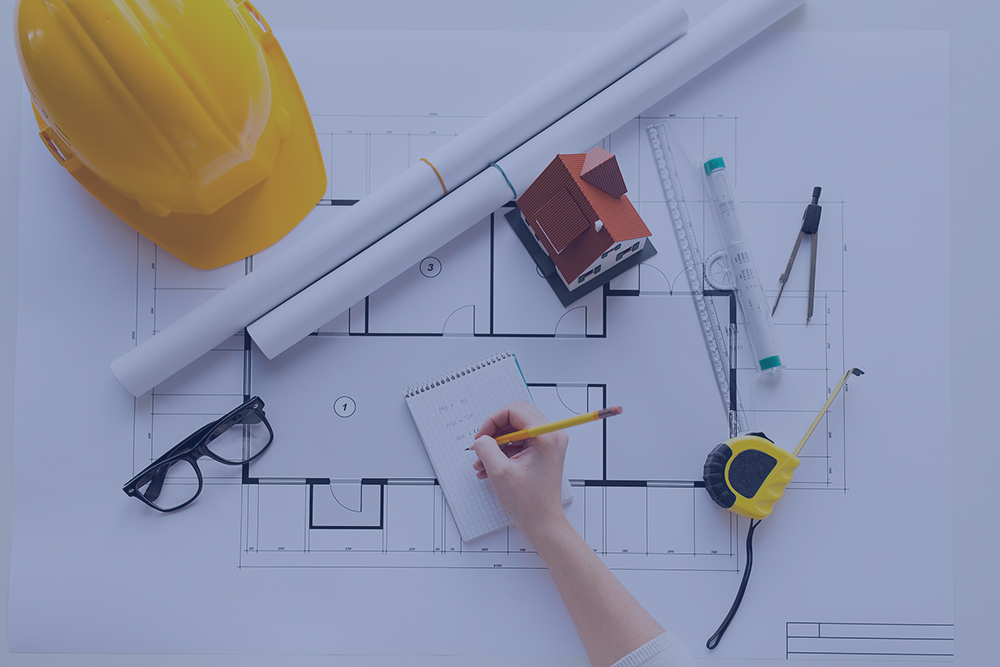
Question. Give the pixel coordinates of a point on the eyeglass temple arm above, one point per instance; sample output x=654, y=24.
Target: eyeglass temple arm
x=186, y=442
x=152, y=491
x=243, y=416
x=156, y=484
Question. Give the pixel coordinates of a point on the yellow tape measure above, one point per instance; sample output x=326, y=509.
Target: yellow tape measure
x=748, y=474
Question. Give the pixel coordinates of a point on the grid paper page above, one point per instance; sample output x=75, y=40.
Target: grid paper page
x=448, y=412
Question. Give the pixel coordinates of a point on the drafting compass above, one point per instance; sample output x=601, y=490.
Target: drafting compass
x=810, y=225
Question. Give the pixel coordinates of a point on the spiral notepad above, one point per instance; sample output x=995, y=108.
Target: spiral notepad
x=448, y=411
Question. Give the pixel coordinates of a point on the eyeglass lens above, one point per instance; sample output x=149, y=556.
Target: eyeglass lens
x=240, y=441
x=171, y=485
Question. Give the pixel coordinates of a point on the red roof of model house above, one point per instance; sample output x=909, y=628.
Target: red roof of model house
x=564, y=204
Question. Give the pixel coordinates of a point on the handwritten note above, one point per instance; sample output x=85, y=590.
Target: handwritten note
x=448, y=411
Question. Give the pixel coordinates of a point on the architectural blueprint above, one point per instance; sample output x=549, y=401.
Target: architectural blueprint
x=345, y=502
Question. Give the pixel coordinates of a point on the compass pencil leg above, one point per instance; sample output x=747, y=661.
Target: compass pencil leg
x=812, y=273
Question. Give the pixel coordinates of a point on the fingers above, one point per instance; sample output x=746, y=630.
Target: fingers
x=496, y=423
x=491, y=457
x=512, y=417
x=494, y=461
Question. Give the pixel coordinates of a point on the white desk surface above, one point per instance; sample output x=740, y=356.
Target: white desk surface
x=975, y=311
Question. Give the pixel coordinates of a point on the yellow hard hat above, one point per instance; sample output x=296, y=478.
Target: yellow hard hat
x=181, y=116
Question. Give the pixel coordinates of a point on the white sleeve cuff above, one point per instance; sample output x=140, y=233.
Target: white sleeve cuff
x=663, y=651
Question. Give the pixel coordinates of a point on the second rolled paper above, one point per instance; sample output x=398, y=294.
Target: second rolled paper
x=708, y=42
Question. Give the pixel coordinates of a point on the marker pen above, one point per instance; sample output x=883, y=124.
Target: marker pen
x=748, y=288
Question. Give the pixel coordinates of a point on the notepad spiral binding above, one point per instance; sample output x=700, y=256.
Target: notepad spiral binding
x=413, y=390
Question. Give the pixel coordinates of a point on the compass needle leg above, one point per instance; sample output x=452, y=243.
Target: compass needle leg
x=810, y=226
x=788, y=269
x=812, y=273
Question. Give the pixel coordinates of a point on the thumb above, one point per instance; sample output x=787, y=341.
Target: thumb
x=489, y=452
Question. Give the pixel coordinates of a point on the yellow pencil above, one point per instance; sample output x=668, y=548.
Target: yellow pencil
x=542, y=429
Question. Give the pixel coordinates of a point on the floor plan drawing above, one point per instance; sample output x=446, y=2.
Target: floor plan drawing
x=344, y=506
x=364, y=494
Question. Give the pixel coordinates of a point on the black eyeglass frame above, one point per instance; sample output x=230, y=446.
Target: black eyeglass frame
x=194, y=447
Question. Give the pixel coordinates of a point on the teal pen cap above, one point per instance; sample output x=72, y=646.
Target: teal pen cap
x=713, y=164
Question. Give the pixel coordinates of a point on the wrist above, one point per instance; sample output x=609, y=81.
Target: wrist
x=552, y=536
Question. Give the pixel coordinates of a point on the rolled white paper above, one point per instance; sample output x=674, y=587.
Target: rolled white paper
x=363, y=274
x=208, y=325
x=559, y=93
x=708, y=42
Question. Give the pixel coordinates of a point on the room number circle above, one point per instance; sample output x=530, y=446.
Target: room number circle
x=430, y=267
x=344, y=406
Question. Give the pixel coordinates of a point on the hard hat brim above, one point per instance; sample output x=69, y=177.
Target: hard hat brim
x=253, y=221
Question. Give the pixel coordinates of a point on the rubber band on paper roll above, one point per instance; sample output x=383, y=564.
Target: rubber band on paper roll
x=438, y=173
x=509, y=184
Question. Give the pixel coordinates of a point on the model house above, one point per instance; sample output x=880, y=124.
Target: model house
x=579, y=215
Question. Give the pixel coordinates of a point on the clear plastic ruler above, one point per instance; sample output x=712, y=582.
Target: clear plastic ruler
x=693, y=266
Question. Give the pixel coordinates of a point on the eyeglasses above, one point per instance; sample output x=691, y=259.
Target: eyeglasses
x=174, y=480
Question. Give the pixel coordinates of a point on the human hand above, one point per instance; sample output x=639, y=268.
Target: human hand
x=526, y=475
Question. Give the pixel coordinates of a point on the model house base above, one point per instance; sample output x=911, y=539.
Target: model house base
x=548, y=268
